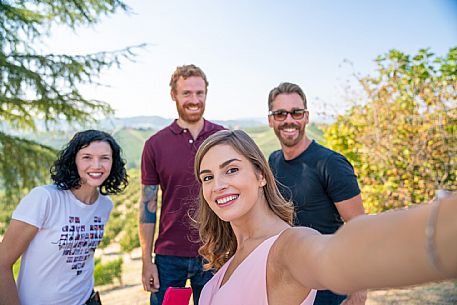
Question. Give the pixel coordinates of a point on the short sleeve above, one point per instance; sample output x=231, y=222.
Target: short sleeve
x=33, y=208
x=340, y=178
x=270, y=161
x=149, y=174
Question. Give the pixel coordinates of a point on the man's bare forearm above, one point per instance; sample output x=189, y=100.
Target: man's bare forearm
x=147, y=219
x=148, y=203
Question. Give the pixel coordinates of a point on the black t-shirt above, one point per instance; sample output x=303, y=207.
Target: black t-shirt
x=314, y=181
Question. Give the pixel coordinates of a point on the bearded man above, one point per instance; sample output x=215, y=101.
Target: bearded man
x=168, y=162
x=320, y=182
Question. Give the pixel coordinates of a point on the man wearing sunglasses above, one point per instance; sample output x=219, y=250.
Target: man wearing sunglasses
x=320, y=182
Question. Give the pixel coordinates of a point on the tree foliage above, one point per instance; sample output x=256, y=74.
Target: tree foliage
x=105, y=273
x=403, y=140
x=36, y=86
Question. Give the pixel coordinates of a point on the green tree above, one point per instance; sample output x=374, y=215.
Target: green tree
x=36, y=86
x=403, y=140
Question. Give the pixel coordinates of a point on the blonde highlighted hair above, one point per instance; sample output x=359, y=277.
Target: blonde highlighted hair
x=219, y=241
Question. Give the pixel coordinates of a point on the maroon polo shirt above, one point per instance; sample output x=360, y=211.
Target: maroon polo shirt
x=168, y=160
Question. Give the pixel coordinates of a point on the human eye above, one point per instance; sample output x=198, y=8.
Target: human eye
x=232, y=170
x=186, y=93
x=280, y=114
x=206, y=178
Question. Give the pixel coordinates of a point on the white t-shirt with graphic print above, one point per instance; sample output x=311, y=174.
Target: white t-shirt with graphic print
x=57, y=267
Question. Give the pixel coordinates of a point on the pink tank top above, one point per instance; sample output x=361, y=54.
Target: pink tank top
x=248, y=283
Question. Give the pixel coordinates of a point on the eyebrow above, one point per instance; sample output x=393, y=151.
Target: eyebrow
x=223, y=164
x=284, y=110
x=102, y=155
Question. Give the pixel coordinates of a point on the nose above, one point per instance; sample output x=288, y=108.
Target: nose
x=96, y=163
x=195, y=98
x=219, y=184
x=289, y=118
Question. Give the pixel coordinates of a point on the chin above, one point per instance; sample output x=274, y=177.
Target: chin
x=289, y=143
x=194, y=118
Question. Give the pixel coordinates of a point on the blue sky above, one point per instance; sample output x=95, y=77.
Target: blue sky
x=248, y=47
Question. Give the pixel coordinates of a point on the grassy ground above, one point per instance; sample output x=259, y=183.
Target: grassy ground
x=131, y=292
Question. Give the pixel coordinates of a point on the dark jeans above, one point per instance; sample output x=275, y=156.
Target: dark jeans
x=174, y=272
x=326, y=297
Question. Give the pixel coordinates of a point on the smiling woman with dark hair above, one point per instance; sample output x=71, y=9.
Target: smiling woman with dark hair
x=56, y=228
x=64, y=172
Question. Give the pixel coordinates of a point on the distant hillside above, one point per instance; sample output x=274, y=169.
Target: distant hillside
x=132, y=141
x=131, y=133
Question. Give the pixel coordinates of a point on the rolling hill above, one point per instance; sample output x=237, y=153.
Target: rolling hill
x=131, y=133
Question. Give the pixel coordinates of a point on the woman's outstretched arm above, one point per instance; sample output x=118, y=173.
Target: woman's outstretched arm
x=391, y=249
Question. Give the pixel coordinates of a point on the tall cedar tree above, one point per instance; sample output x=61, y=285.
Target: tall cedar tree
x=44, y=86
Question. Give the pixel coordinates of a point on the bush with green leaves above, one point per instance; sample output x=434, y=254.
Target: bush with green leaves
x=402, y=137
x=106, y=273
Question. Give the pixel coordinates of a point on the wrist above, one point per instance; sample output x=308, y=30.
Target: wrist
x=149, y=259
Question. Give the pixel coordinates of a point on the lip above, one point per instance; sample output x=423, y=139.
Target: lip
x=289, y=132
x=229, y=202
x=99, y=176
x=193, y=108
x=289, y=129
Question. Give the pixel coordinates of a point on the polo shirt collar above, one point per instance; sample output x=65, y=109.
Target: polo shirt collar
x=178, y=129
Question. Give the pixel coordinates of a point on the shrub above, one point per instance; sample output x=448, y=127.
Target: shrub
x=106, y=273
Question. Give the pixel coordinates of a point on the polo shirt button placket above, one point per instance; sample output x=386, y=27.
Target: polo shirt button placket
x=191, y=141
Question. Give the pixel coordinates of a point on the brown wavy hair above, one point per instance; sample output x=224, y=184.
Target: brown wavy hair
x=185, y=72
x=285, y=88
x=219, y=240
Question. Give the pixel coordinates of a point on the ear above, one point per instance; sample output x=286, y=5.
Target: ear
x=307, y=117
x=270, y=121
x=262, y=181
x=173, y=95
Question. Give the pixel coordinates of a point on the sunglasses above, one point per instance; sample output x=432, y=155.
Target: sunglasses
x=281, y=115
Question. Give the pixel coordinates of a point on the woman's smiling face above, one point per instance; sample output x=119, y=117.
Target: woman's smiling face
x=230, y=184
x=94, y=163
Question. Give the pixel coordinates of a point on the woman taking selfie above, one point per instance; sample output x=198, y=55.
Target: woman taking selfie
x=245, y=227
x=56, y=228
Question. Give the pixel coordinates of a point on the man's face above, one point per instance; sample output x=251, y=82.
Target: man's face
x=290, y=131
x=190, y=97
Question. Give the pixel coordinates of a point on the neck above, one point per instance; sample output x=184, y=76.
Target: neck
x=291, y=152
x=259, y=224
x=193, y=127
x=85, y=195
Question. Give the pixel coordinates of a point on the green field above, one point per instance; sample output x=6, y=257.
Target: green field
x=132, y=140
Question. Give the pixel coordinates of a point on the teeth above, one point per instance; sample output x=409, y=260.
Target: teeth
x=226, y=199
x=289, y=129
x=95, y=174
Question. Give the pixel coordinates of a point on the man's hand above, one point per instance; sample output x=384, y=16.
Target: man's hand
x=150, y=277
x=357, y=298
